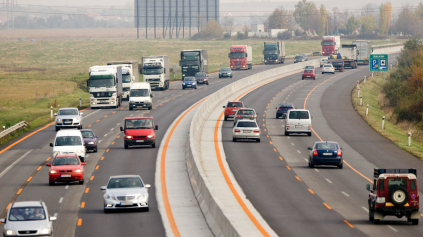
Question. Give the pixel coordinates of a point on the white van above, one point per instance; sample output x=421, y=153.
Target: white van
x=298, y=121
x=69, y=141
x=140, y=96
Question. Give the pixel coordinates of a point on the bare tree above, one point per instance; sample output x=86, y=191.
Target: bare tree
x=228, y=24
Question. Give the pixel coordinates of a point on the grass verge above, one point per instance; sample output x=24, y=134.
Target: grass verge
x=372, y=95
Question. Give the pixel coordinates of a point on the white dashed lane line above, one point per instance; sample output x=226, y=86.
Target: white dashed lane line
x=392, y=228
x=61, y=200
x=346, y=194
x=329, y=181
x=367, y=210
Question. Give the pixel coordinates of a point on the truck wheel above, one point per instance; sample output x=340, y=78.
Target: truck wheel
x=153, y=145
x=302, y=78
x=149, y=108
x=226, y=118
x=183, y=88
x=286, y=133
x=126, y=146
x=220, y=76
x=57, y=129
x=130, y=108
x=415, y=221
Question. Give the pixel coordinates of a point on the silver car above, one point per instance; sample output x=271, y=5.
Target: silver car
x=68, y=118
x=125, y=192
x=249, y=114
x=246, y=129
x=28, y=219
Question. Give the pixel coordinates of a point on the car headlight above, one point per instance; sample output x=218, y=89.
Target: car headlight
x=45, y=231
x=77, y=171
x=183, y=74
x=183, y=84
x=91, y=143
x=10, y=232
x=193, y=83
x=110, y=197
x=129, y=137
x=79, y=151
x=141, y=196
x=55, y=153
x=53, y=171
x=150, y=136
x=59, y=120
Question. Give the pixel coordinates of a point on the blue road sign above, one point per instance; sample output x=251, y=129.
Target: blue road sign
x=378, y=62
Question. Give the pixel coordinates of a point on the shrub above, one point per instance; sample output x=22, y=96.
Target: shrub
x=212, y=30
x=286, y=35
x=226, y=36
x=240, y=36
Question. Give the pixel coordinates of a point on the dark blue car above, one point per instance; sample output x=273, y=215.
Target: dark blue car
x=189, y=82
x=325, y=153
x=282, y=109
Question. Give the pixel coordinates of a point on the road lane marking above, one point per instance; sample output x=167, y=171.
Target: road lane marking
x=298, y=178
x=311, y=191
x=55, y=214
x=102, y=158
x=327, y=206
x=39, y=167
x=82, y=204
x=316, y=170
x=346, y=222
x=367, y=210
x=305, y=159
x=29, y=179
x=298, y=151
x=118, y=136
x=67, y=186
x=329, y=181
x=392, y=228
x=289, y=168
x=96, y=167
x=92, y=177
x=87, y=190
x=280, y=157
x=107, y=150
x=79, y=221
x=270, y=142
x=292, y=144
x=19, y=192
x=346, y=194
x=61, y=200
x=275, y=150
x=113, y=143
x=14, y=163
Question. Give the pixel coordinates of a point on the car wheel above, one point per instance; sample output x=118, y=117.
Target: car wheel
x=231, y=76
x=309, y=134
x=130, y=108
x=311, y=164
x=340, y=166
x=286, y=133
x=207, y=83
x=226, y=118
x=183, y=88
x=258, y=140
x=302, y=78
x=333, y=72
x=234, y=139
x=57, y=129
x=82, y=159
x=51, y=183
x=196, y=88
x=107, y=211
x=147, y=209
x=95, y=149
x=314, y=78
x=153, y=145
x=81, y=181
x=415, y=221
x=376, y=221
x=323, y=73
x=126, y=146
x=220, y=76
x=371, y=214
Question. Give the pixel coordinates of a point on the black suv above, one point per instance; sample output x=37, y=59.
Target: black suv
x=282, y=109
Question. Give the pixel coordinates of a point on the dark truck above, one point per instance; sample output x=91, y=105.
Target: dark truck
x=394, y=193
x=338, y=63
x=193, y=61
x=274, y=52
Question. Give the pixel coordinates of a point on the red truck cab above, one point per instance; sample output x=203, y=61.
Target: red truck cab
x=328, y=45
x=139, y=131
x=231, y=108
x=309, y=73
x=241, y=57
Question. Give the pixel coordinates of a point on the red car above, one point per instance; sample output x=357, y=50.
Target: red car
x=231, y=108
x=309, y=73
x=66, y=168
x=139, y=131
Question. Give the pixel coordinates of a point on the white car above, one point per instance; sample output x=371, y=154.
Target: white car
x=69, y=142
x=323, y=61
x=246, y=129
x=68, y=118
x=298, y=121
x=125, y=192
x=28, y=218
x=328, y=68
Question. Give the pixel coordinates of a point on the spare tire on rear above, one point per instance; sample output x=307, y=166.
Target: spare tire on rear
x=399, y=196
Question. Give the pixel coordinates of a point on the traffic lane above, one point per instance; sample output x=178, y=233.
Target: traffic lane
x=259, y=170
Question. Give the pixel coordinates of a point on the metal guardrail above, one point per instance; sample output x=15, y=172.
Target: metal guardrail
x=387, y=45
x=13, y=128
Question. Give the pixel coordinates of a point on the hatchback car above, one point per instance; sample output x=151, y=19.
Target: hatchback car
x=225, y=72
x=282, y=109
x=308, y=73
x=325, y=153
x=246, y=129
x=66, y=168
x=68, y=118
x=246, y=113
x=328, y=68
x=29, y=218
x=125, y=192
x=189, y=82
x=310, y=67
x=139, y=131
x=202, y=78
x=231, y=108
x=90, y=140
x=299, y=58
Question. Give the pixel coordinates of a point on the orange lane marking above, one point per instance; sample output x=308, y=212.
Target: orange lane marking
x=289, y=168
x=160, y=93
x=275, y=149
x=280, y=157
x=48, y=158
x=97, y=121
x=8, y=206
x=265, y=111
x=421, y=214
x=270, y=100
x=168, y=208
x=89, y=125
x=20, y=140
x=102, y=158
x=97, y=167
x=266, y=107
x=267, y=135
x=161, y=104
x=174, y=98
x=264, y=115
x=118, y=136
x=106, y=116
x=107, y=150
x=29, y=179
x=82, y=204
x=298, y=178
x=327, y=206
x=79, y=222
x=154, y=108
x=92, y=177
x=113, y=112
x=121, y=108
x=113, y=143
x=265, y=130
x=148, y=112
x=348, y=224
x=19, y=192
x=270, y=142
x=311, y=191
x=87, y=190
x=264, y=125
x=39, y=167
x=263, y=120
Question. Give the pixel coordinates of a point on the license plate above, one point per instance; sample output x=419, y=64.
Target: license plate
x=65, y=176
x=234, y=110
x=126, y=203
x=68, y=122
x=140, y=140
x=247, y=131
x=327, y=154
x=298, y=126
x=307, y=76
x=188, y=85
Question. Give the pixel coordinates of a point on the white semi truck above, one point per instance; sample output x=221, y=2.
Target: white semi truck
x=155, y=70
x=105, y=85
x=130, y=74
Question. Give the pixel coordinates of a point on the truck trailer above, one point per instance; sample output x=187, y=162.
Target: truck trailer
x=349, y=55
x=364, y=48
x=130, y=74
x=193, y=61
x=274, y=52
x=241, y=57
x=105, y=85
x=156, y=71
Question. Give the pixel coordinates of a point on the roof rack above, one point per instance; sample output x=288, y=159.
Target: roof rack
x=377, y=171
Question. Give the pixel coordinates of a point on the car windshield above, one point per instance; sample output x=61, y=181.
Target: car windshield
x=87, y=134
x=328, y=65
x=68, y=112
x=326, y=146
x=242, y=124
x=65, y=161
x=299, y=115
x=308, y=70
x=245, y=112
x=138, y=123
x=189, y=79
x=139, y=93
x=152, y=71
x=125, y=183
x=309, y=67
x=68, y=141
x=395, y=182
x=27, y=214
x=234, y=104
x=225, y=69
x=237, y=55
x=200, y=74
x=298, y=57
x=126, y=77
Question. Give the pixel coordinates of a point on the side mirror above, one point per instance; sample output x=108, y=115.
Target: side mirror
x=53, y=218
x=55, y=114
x=342, y=149
x=96, y=136
x=156, y=128
x=147, y=185
x=368, y=187
x=2, y=220
x=312, y=116
x=257, y=114
x=51, y=144
x=309, y=148
x=84, y=163
x=103, y=188
x=121, y=129
x=224, y=106
x=48, y=164
x=151, y=95
x=88, y=84
x=276, y=107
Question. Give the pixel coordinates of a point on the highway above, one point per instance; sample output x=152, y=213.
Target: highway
x=299, y=201
x=79, y=208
